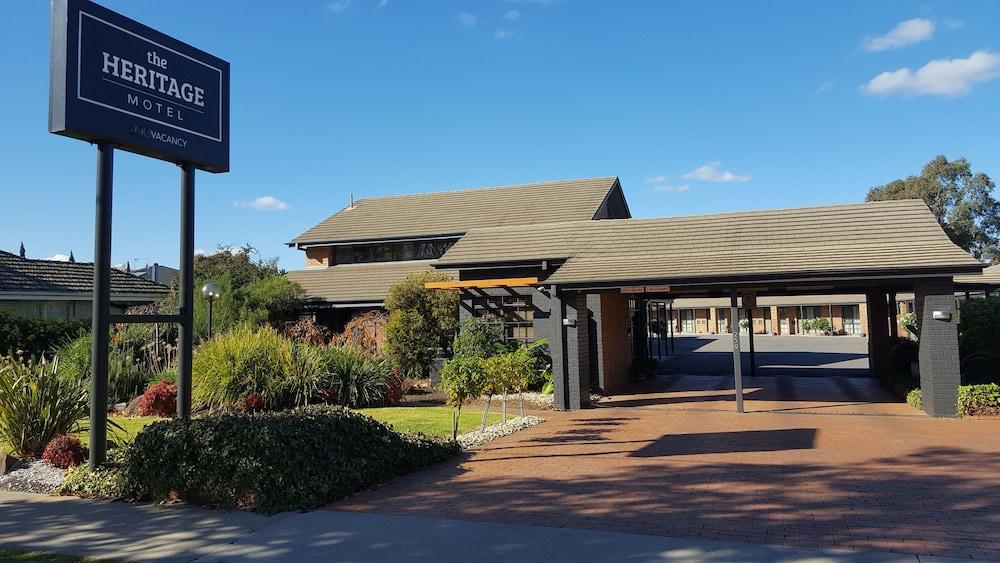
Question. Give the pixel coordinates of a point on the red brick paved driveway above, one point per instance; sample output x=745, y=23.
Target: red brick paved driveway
x=909, y=484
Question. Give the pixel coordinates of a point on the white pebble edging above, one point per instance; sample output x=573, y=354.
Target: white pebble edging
x=494, y=431
x=34, y=476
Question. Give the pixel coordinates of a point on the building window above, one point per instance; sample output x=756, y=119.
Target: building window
x=851, y=318
x=397, y=251
x=687, y=320
x=515, y=311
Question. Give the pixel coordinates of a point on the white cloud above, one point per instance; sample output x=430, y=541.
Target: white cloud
x=655, y=180
x=671, y=188
x=710, y=173
x=59, y=257
x=905, y=33
x=503, y=34
x=824, y=87
x=264, y=203
x=337, y=6
x=512, y=15
x=467, y=20
x=941, y=77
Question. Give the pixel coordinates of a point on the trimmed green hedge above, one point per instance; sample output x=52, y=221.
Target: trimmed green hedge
x=973, y=400
x=271, y=462
x=979, y=400
x=36, y=337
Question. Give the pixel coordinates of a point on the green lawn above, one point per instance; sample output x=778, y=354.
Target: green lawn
x=435, y=421
x=129, y=428
x=8, y=556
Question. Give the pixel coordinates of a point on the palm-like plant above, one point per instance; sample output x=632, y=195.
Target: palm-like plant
x=36, y=404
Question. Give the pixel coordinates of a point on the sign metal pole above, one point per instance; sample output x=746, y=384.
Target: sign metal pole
x=100, y=320
x=185, y=332
x=734, y=327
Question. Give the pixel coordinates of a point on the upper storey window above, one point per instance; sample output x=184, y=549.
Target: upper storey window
x=396, y=251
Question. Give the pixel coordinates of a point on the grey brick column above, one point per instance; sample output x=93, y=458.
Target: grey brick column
x=939, y=360
x=570, y=349
x=878, y=331
x=596, y=344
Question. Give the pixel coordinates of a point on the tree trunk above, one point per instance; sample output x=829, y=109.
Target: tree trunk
x=504, y=417
x=521, y=396
x=455, y=415
x=486, y=412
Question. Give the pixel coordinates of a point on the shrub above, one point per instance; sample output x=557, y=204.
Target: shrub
x=979, y=325
x=34, y=338
x=270, y=462
x=159, y=400
x=979, y=400
x=366, y=331
x=422, y=322
x=104, y=482
x=129, y=368
x=36, y=404
x=306, y=331
x=509, y=373
x=245, y=361
x=64, y=452
x=354, y=378
x=479, y=337
x=395, y=387
x=915, y=399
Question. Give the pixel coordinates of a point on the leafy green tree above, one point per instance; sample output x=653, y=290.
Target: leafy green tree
x=961, y=200
x=422, y=322
x=241, y=265
x=270, y=299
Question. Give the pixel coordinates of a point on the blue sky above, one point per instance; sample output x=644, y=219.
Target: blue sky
x=697, y=106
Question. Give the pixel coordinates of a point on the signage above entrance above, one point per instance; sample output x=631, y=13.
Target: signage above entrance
x=118, y=81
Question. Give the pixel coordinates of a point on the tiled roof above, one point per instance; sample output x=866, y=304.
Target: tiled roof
x=26, y=276
x=869, y=238
x=990, y=276
x=355, y=283
x=455, y=212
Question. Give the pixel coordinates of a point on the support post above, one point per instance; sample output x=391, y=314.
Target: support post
x=753, y=354
x=878, y=331
x=940, y=373
x=737, y=357
x=100, y=321
x=673, y=345
x=185, y=330
x=893, y=314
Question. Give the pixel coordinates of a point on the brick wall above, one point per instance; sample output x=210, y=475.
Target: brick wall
x=616, y=343
x=939, y=359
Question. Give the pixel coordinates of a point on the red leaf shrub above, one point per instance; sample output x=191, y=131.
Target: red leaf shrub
x=394, y=387
x=64, y=452
x=159, y=400
x=253, y=403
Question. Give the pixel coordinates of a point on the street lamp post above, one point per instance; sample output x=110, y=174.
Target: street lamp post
x=211, y=292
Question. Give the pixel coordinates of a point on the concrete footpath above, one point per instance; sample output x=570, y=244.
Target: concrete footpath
x=136, y=532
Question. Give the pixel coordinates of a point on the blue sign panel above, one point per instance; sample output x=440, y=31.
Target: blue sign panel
x=116, y=80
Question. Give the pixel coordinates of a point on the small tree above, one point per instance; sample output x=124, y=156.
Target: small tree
x=422, y=322
x=461, y=378
x=509, y=373
x=821, y=325
x=481, y=338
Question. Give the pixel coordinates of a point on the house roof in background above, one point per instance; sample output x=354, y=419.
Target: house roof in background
x=355, y=283
x=455, y=212
x=26, y=276
x=877, y=238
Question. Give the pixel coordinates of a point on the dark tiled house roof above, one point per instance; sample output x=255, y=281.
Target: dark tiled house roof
x=455, y=212
x=896, y=237
x=26, y=276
